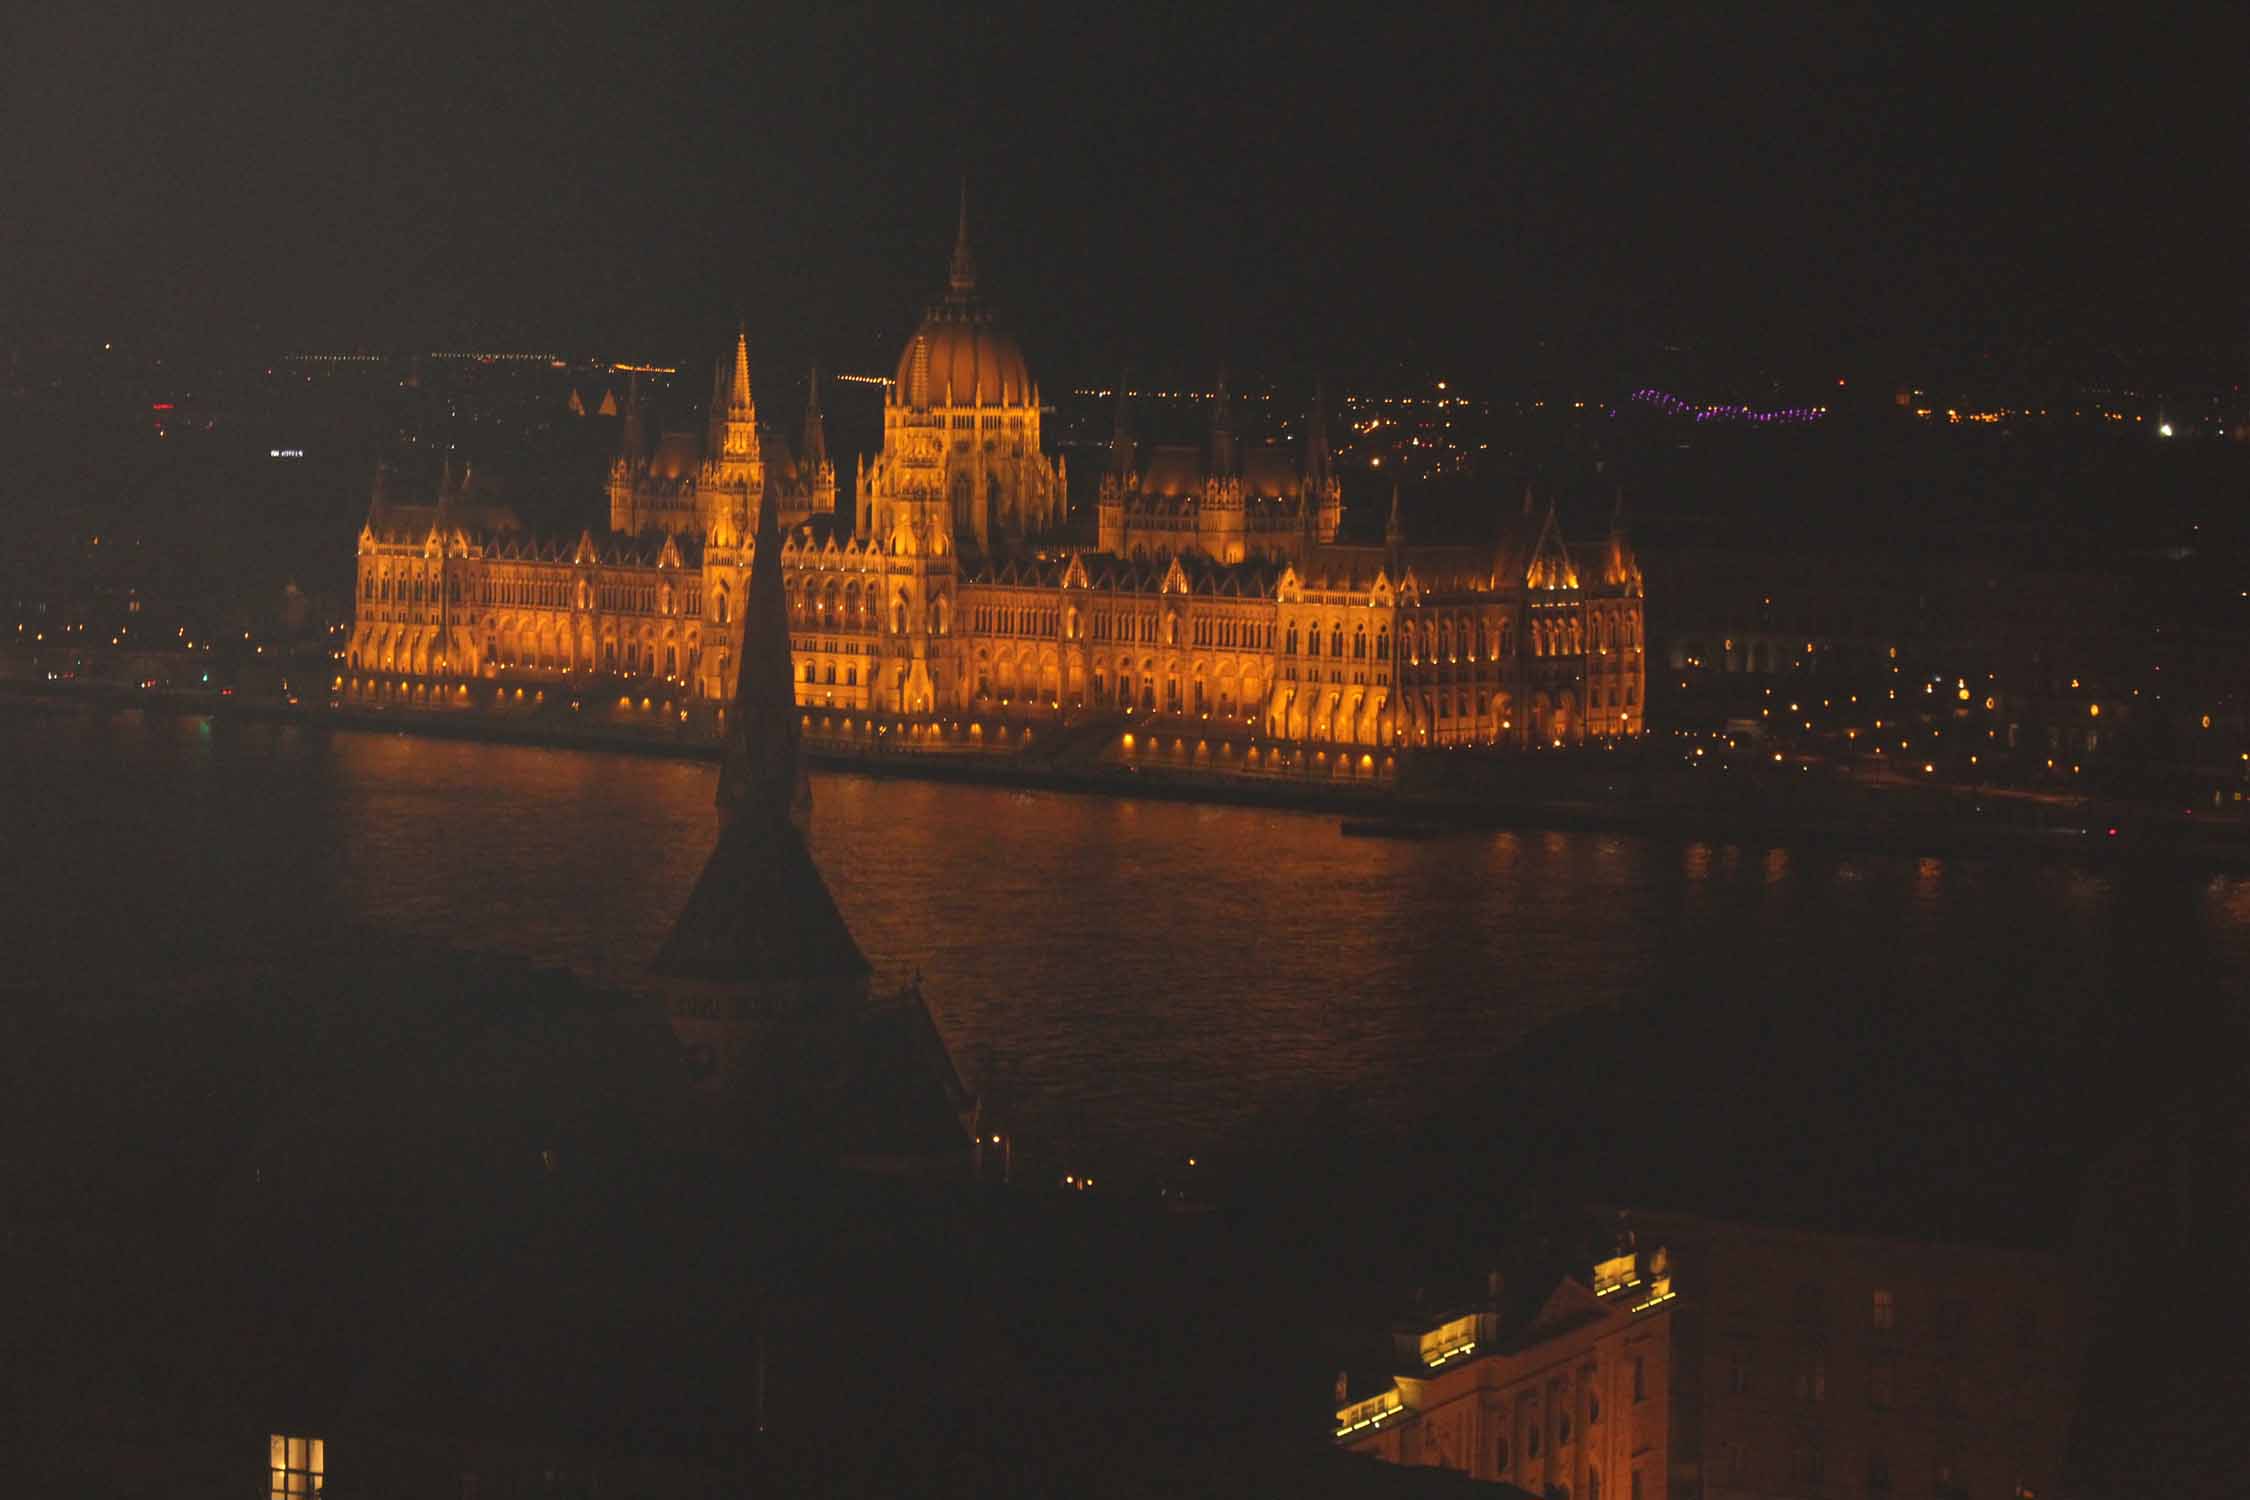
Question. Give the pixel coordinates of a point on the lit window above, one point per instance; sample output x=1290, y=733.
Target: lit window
x=1884, y=1311
x=296, y=1467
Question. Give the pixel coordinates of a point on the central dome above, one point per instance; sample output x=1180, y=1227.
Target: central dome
x=958, y=351
x=957, y=356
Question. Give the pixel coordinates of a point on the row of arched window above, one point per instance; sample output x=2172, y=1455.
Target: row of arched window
x=1224, y=630
x=405, y=589
x=1001, y=619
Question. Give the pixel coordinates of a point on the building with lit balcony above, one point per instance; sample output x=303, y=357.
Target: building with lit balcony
x=1709, y=1360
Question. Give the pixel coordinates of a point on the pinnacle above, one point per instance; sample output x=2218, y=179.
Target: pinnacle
x=963, y=277
x=738, y=395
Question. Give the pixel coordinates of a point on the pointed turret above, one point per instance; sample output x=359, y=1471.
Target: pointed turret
x=1222, y=430
x=962, y=276
x=1319, y=467
x=631, y=446
x=1123, y=451
x=738, y=387
x=815, y=454
x=734, y=415
x=1619, y=568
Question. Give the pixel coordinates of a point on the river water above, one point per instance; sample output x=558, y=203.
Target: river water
x=1138, y=979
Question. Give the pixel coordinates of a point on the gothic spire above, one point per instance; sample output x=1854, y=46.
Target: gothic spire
x=963, y=276
x=760, y=916
x=1121, y=445
x=738, y=390
x=1394, y=532
x=1222, y=429
x=815, y=454
x=1318, y=468
x=631, y=447
x=762, y=781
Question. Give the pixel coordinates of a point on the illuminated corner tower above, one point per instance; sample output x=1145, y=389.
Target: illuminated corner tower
x=1218, y=512
x=734, y=469
x=1121, y=482
x=814, y=467
x=1323, y=501
x=631, y=463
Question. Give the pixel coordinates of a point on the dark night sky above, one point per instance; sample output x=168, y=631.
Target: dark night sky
x=1799, y=189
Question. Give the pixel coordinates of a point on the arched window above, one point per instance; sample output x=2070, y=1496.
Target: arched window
x=1291, y=645
x=1359, y=643
x=1336, y=640
x=1383, y=644
x=1312, y=639
x=898, y=614
x=722, y=604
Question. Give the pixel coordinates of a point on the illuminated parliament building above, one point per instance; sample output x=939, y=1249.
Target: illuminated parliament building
x=1215, y=594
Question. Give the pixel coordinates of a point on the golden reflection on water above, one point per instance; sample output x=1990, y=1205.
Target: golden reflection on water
x=1137, y=975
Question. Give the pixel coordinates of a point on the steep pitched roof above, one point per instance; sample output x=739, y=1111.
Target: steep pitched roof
x=760, y=914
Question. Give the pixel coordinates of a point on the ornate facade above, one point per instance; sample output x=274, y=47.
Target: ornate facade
x=1216, y=590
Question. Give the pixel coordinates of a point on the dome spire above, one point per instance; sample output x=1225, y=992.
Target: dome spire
x=963, y=277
